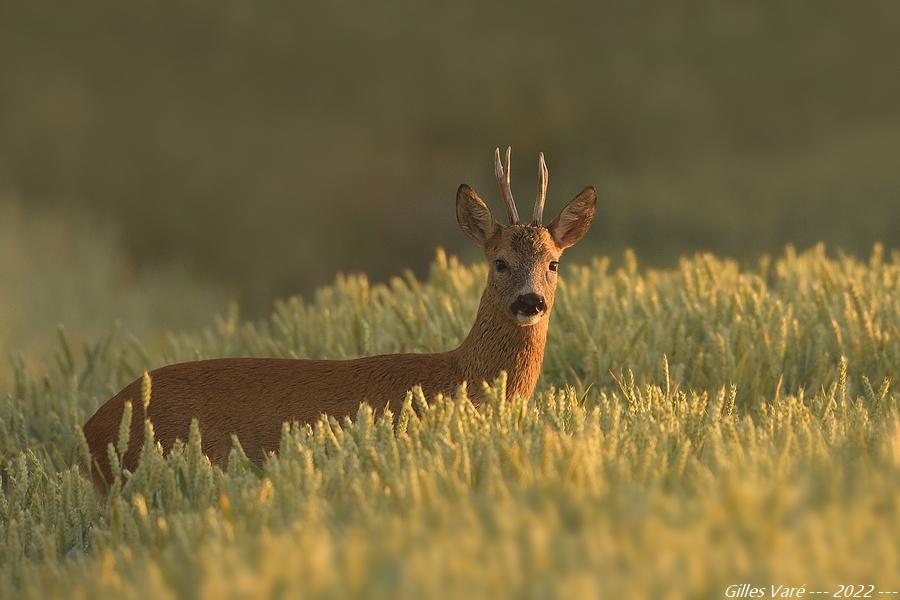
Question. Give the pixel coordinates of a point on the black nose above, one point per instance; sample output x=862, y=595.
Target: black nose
x=529, y=304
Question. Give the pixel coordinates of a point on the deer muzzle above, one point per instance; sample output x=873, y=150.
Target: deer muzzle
x=529, y=308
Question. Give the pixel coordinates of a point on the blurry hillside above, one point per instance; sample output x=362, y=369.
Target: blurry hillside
x=65, y=269
x=265, y=145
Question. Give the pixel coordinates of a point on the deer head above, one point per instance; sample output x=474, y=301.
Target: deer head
x=523, y=258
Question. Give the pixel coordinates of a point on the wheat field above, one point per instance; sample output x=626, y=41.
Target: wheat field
x=694, y=428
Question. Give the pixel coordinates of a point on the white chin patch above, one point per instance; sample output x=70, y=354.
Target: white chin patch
x=528, y=319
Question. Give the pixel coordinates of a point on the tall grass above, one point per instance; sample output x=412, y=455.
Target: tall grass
x=693, y=428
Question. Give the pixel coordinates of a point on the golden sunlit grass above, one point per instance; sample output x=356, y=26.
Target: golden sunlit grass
x=694, y=428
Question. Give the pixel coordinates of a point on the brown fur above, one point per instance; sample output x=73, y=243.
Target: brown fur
x=252, y=397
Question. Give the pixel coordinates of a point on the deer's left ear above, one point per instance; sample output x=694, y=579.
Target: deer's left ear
x=575, y=219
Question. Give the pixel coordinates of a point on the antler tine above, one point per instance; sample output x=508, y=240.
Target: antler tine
x=503, y=181
x=543, y=181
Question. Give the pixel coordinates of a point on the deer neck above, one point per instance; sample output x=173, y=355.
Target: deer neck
x=494, y=344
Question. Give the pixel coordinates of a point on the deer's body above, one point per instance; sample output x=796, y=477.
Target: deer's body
x=252, y=397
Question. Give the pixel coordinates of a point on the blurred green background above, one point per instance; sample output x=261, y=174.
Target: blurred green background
x=231, y=149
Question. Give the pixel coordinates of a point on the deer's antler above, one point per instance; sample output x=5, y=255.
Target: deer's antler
x=543, y=180
x=502, y=176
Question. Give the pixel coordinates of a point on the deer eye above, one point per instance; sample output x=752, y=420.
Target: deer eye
x=554, y=265
x=500, y=264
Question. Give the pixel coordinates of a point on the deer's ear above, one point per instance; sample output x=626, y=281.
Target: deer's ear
x=575, y=219
x=474, y=216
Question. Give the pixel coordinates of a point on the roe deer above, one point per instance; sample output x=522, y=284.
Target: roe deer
x=252, y=397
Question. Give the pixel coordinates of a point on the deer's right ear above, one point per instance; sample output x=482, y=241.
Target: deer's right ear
x=474, y=216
